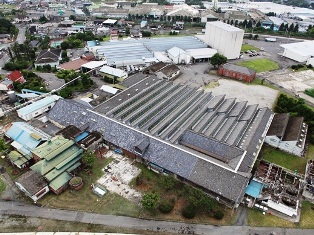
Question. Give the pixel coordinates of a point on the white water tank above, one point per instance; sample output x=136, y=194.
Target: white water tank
x=12, y=96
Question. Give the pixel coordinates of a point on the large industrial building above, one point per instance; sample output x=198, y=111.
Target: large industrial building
x=299, y=51
x=149, y=50
x=226, y=38
x=208, y=141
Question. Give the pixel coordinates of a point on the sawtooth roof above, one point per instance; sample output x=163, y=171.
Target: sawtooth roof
x=164, y=113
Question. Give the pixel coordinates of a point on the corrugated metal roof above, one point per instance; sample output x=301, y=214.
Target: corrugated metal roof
x=23, y=135
x=60, y=181
x=38, y=104
x=112, y=71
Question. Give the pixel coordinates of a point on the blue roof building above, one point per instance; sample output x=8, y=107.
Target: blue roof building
x=25, y=139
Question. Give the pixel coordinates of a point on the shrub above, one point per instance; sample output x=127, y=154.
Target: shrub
x=166, y=206
x=294, y=66
x=219, y=215
x=189, y=211
x=138, y=180
x=309, y=66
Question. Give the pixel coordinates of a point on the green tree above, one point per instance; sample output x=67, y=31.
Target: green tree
x=43, y=19
x=72, y=17
x=282, y=27
x=150, y=201
x=218, y=59
x=89, y=158
x=3, y=145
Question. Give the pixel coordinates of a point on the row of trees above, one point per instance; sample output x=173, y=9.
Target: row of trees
x=77, y=40
x=83, y=83
x=196, y=201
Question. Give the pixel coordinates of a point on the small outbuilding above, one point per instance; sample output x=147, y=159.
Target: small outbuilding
x=33, y=185
x=237, y=72
x=287, y=133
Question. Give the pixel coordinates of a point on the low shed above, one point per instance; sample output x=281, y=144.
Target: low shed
x=237, y=72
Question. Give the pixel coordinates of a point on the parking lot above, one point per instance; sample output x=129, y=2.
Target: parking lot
x=271, y=50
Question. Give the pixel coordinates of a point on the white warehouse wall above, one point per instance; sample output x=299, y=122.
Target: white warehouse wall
x=226, y=38
x=295, y=56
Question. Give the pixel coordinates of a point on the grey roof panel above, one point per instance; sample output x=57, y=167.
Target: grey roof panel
x=237, y=109
x=226, y=105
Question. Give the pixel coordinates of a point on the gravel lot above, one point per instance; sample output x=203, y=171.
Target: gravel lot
x=51, y=80
x=197, y=75
x=254, y=94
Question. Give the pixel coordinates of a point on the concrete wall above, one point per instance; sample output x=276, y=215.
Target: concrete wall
x=295, y=56
x=227, y=42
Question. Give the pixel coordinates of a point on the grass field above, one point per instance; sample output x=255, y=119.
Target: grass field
x=260, y=65
x=246, y=47
x=257, y=219
x=284, y=159
x=307, y=215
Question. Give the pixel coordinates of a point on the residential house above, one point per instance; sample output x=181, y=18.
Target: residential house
x=25, y=138
x=33, y=185
x=16, y=76
x=237, y=72
x=48, y=57
x=37, y=108
x=72, y=65
x=287, y=133
x=55, y=160
x=34, y=43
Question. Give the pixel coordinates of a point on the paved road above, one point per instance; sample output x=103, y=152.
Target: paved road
x=21, y=36
x=18, y=208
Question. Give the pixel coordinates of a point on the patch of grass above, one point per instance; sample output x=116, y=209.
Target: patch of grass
x=211, y=84
x=284, y=159
x=309, y=92
x=2, y=186
x=115, y=204
x=257, y=219
x=260, y=65
x=307, y=215
x=246, y=47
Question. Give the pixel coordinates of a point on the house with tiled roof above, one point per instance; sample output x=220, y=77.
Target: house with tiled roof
x=48, y=57
x=287, y=133
x=209, y=141
x=16, y=76
x=55, y=160
x=33, y=185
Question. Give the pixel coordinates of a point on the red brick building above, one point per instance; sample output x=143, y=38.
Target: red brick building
x=237, y=72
